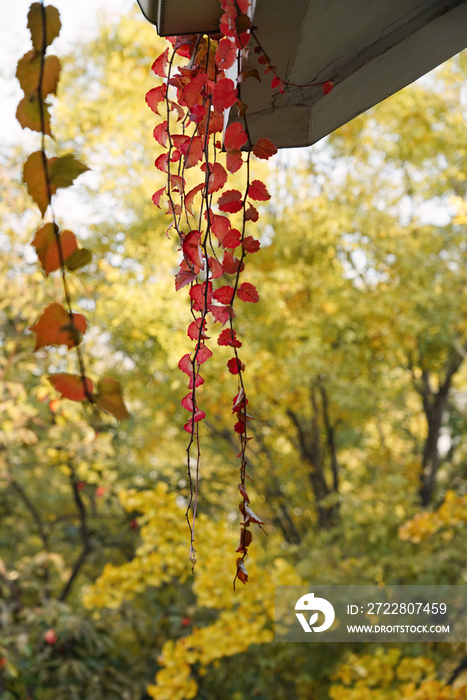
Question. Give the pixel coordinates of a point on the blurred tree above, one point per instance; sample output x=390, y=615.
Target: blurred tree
x=355, y=355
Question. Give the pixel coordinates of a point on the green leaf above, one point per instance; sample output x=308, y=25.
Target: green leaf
x=79, y=258
x=64, y=170
x=110, y=399
x=35, y=25
x=29, y=116
x=28, y=73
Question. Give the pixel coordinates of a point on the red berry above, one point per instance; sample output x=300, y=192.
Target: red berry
x=50, y=637
x=186, y=622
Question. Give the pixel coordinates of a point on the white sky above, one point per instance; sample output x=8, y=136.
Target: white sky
x=79, y=19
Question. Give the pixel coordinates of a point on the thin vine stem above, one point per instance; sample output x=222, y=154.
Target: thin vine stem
x=58, y=242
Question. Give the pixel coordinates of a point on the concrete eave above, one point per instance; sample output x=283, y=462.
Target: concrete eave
x=369, y=48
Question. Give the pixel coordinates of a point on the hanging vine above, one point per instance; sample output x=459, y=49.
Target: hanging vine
x=192, y=102
x=57, y=249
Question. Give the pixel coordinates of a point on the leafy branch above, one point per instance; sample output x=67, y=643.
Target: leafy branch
x=56, y=249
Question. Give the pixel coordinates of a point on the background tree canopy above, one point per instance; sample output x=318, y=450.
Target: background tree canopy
x=356, y=363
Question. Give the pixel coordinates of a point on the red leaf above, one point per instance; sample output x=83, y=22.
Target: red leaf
x=70, y=386
x=328, y=86
x=176, y=108
x=226, y=54
x=247, y=292
x=198, y=381
x=224, y=94
x=251, y=245
x=239, y=427
x=239, y=402
x=184, y=277
x=156, y=197
x=173, y=211
x=199, y=415
x=219, y=225
x=235, y=137
x=197, y=113
x=257, y=190
x=243, y=492
x=45, y=243
x=155, y=96
x=215, y=269
x=221, y=314
x=177, y=182
x=231, y=264
x=193, y=92
x=187, y=402
x=197, y=329
x=198, y=296
x=160, y=64
x=190, y=196
x=203, y=354
x=216, y=123
x=192, y=249
x=233, y=161
x=264, y=148
x=54, y=327
x=232, y=239
x=275, y=82
x=229, y=337
x=224, y=294
x=230, y=201
x=245, y=540
x=161, y=162
x=233, y=366
x=251, y=213
x=185, y=364
x=242, y=573
x=193, y=151
x=179, y=140
x=217, y=177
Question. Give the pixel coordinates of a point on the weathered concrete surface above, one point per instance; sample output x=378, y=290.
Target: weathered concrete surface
x=369, y=48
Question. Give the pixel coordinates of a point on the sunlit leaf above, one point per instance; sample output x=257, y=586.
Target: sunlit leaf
x=109, y=398
x=28, y=73
x=36, y=25
x=62, y=172
x=55, y=327
x=78, y=259
x=247, y=292
x=28, y=114
x=71, y=386
x=45, y=243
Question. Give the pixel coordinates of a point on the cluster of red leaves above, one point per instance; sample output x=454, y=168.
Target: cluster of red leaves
x=208, y=217
x=38, y=75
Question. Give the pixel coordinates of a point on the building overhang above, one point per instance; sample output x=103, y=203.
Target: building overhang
x=370, y=49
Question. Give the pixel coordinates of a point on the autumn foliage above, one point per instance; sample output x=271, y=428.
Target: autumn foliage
x=192, y=103
x=57, y=249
